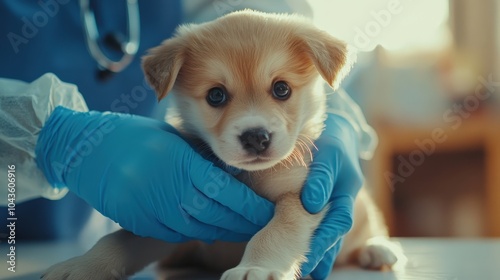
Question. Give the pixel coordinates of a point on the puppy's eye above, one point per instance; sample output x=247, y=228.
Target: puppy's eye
x=216, y=97
x=281, y=90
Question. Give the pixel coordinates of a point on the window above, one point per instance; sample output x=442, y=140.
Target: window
x=402, y=25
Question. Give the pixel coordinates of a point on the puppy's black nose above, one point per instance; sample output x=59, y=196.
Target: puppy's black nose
x=255, y=140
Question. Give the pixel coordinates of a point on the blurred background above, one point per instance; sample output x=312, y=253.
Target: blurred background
x=428, y=79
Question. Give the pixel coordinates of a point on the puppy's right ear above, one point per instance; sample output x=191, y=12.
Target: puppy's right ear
x=162, y=64
x=329, y=54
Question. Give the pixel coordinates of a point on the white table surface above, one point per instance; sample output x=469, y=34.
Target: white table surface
x=433, y=259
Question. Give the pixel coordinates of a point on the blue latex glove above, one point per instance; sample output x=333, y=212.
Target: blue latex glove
x=335, y=177
x=141, y=174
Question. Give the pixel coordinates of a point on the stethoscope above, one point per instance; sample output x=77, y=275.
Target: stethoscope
x=128, y=46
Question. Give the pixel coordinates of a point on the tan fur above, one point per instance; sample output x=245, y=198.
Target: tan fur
x=246, y=53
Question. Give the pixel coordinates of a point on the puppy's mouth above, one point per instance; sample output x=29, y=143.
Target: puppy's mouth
x=255, y=163
x=254, y=149
x=256, y=160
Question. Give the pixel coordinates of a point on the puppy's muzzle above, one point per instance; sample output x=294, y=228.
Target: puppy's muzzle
x=255, y=140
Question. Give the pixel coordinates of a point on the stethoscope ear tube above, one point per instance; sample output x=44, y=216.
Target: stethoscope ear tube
x=128, y=47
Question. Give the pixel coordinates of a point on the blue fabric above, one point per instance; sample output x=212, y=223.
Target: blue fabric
x=40, y=38
x=41, y=219
x=48, y=36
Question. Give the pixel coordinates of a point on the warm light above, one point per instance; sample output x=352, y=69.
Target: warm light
x=394, y=24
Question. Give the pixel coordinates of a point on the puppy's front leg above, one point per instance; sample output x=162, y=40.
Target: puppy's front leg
x=278, y=250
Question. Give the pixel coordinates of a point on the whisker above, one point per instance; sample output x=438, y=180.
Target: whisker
x=301, y=141
x=311, y=142
x=301, y=145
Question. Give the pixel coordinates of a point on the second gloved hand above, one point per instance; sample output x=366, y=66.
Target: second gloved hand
x=140, y=173
x=334, y=178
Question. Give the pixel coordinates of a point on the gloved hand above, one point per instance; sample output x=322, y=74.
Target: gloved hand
x=335, y=177
x=141, y=174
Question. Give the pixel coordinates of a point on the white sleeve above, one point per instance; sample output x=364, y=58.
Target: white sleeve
x=24, y=108
x=339, y=103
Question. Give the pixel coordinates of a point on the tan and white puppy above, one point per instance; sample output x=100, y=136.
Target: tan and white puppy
x=250, y=86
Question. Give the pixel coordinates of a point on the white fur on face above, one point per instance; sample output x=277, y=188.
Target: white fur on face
x=229, y=148
x=269, y=116
x=247, y=73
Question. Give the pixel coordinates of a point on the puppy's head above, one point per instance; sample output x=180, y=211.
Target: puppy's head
x=249, y=84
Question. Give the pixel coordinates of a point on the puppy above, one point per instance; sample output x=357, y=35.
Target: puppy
x=248, y=85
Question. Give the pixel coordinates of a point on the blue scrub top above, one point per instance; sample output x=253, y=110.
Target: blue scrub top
x=48, y=36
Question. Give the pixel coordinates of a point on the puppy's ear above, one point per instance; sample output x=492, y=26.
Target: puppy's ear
x=329, y=54
x=162, y=64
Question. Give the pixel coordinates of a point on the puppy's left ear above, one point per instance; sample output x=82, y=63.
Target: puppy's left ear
x=162, y=65
x=329, y=54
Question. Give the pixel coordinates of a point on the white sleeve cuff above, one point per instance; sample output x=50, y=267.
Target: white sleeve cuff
x=24, y=108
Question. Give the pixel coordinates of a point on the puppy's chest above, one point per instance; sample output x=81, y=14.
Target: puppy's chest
x=288, y=176
x=276, y=181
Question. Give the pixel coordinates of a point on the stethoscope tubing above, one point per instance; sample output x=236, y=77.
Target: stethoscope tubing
x=128, y=47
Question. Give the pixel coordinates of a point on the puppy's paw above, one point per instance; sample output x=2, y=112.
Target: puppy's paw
x=255, y=273
x=82, y=268
x=379, y=252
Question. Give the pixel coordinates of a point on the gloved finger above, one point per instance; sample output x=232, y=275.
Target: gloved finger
x=228, y=191
x=324, y=268
x=210, y=212
x=317, y=261
x=197, y=230
x=337, y=222
x=314, y=258
x=318, y=187
x=323, y=173
x=162, y=232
